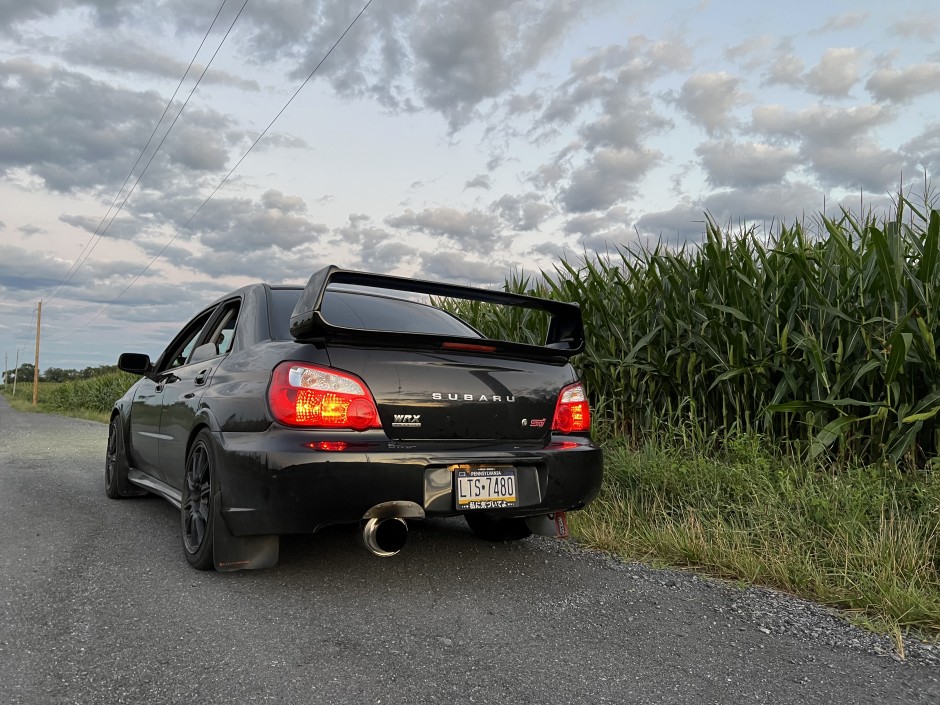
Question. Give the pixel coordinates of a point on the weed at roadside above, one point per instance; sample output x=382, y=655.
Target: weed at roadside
x=857, y=538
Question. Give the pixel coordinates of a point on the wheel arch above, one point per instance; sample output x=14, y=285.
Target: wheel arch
x=196, y=429
x=204, y=420
x=121, y=409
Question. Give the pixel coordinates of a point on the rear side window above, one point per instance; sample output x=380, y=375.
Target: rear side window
x=282, y=306
x=365, y=312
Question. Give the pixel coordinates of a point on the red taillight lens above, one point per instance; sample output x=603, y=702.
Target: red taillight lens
x=572, y=413
x=318, y=397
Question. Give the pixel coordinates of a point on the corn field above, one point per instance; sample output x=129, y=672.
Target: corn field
x=96, y=394
x=822, y=341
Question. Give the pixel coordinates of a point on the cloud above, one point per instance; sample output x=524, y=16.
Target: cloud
x=473, y=230
x=482, y=49
x=13, y=13
x=602, y=232
x=189, y=148
x=275, y=200
x=903, y=86
x=377, y=249
x=116, y=228
x=123, y=54
x=60, y=126
x=836, y=142
x=609, y=176
x=845, y=21
x=743, y=164
x=269, y=264
x=551, y=250
x=625, y=128
x=27, y=270
x=460, y=268
x=864, y=165
x=448, y=56
x=764, y=205
x=521, y=104
x=239, y=225
x=916, y=26
x=615, y=81
x=745, y=50
x=609, y=241
x=835, y=74
x=479, y=181
x=610, y=91
x=587, y=223
x=786, y=69
x=381, y=251
x=709, y=98
x=819, y=125
x=924, y=149
x=522, y=213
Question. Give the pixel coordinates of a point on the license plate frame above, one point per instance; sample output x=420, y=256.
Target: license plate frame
x=485, y=487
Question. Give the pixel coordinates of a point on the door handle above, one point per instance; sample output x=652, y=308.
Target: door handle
x=165, y=380
x=202, y=376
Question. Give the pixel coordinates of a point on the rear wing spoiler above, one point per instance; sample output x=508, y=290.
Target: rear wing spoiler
x=565, y=336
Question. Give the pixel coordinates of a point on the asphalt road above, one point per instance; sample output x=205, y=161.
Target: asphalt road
x=99, y=606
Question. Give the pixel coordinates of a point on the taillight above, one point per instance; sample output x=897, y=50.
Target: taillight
x=318, y=397
x=572, y=413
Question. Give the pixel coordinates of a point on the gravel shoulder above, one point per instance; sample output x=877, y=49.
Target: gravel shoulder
x=98, y=605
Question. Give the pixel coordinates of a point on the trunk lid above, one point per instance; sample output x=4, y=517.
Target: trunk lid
x=424, y=395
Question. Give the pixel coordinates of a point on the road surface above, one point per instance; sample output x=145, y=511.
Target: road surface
x=99, y=606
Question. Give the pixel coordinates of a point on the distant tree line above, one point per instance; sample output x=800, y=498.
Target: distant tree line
x=24, y=373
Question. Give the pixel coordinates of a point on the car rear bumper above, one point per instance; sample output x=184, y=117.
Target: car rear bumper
x=276, y=483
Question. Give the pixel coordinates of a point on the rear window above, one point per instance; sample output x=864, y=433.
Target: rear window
x=372, y=312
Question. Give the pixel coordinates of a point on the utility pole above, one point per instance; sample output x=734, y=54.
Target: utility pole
x=36, y=368
x=5, y=360
x=15, y=370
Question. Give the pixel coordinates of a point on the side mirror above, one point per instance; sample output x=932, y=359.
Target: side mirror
x=135, y=363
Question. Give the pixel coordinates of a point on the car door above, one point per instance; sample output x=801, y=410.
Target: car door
x=183, y=392
x=145, y=427
x=147, y=408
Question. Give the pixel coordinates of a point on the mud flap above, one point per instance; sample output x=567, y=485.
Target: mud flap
x=231, y=552
x=549, y=525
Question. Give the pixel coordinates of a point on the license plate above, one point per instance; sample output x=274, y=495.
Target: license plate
x=486, y=487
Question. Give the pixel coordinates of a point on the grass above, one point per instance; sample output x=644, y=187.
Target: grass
x=862, y=539
x=86, y=399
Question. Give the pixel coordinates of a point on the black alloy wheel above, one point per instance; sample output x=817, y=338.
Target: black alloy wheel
x=197, y=510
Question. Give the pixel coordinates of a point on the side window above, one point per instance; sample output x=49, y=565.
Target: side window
x=180, y=349
x=223, y=334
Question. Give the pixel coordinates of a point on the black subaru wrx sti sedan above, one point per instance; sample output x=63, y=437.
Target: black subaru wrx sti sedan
x=285, y=409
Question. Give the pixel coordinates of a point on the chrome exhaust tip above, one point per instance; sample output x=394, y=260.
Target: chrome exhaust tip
x=385, y=537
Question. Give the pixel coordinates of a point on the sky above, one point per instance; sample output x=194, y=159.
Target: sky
x=444, y=139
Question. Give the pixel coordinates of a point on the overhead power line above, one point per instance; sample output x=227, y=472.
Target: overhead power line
x=80, y=261
x=225, y=178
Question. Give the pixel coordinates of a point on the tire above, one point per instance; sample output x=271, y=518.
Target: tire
x=116, y=484
x=197, y=515
x=498, y=530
